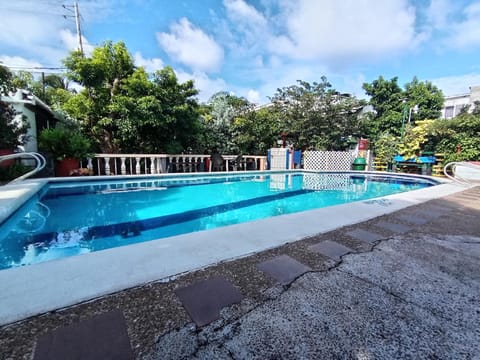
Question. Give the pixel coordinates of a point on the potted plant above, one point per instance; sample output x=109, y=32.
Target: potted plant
x=67, y=146
x=12, y=132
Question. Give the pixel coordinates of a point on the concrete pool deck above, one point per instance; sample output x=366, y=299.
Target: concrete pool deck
x=412, y=293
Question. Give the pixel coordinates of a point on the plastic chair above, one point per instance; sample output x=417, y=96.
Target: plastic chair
x=218, y=162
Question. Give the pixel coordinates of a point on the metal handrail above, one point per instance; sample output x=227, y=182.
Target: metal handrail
x=41, y=162
x=457, y=177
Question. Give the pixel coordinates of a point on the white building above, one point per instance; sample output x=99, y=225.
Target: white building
x=454, y=104
x=38, y=115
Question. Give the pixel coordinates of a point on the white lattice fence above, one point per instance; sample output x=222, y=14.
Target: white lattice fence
x=328, y=160
x=327, y=182
x=332, y=160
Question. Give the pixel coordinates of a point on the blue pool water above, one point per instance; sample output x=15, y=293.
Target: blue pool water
x=72, y=218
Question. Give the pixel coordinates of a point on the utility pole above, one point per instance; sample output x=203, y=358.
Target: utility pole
x=76, y=15
x=77, y=22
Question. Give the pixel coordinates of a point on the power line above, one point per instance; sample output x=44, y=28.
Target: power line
x=20, y=67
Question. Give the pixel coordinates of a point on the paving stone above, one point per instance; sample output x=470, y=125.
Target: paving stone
x=283, y=268
x=396, y=228
x=433, y=213
x=331, y=249
x=203, y=300
x=413, y=219
x=364, y=235
x=468, y=197
x=101, y=337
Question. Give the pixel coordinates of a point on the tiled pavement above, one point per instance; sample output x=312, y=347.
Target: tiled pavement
x=129, y=323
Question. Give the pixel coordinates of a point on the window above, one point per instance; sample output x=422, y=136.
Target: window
x=449, y=112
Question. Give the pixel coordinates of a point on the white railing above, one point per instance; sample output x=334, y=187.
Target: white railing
x=140, y=164
x=463, y=172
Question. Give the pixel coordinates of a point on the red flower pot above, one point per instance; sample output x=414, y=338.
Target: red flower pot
x=6, y=162
x=66, y=166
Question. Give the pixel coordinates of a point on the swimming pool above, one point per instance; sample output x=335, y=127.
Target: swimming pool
x=71, y=218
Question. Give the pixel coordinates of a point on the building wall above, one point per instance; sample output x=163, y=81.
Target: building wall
x=454, y=104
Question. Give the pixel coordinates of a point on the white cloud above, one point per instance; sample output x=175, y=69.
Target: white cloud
x=17, y=61
x=253, y=96
x=242, y=13
x=70, y=41
x=24, y=29
x=191, y=46
x=467, y=32
x=150, y=65
x=438, y=12
x=207, y=86
x=348, y=28
x=40, y=32
x=455, y=85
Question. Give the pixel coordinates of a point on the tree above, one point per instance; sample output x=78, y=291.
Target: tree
x=392, y=104
x=101, y=75
x=458, y=138
x=122, y=109
x=223, y=109
x=13, y=132
x=427, y=97
x=256, y=131
x=386, y=97
x=6, y=78
x=316, y=115
x=160, y=115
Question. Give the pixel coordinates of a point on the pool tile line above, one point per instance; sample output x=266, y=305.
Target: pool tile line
x=135, y=227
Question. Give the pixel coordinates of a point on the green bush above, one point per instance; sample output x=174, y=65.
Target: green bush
x=459, y=138
x=63, y=142
x=12, y=134
x=9, y=173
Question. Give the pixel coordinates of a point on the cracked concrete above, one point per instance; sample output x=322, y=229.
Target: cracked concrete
x=413, y=295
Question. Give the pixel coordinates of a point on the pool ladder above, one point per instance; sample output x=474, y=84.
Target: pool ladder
x=40, y=163
x=450, y=169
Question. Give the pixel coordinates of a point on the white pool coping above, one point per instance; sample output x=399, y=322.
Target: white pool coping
x=39, y=288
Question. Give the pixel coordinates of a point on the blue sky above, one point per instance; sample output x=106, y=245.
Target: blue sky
x=252, y=47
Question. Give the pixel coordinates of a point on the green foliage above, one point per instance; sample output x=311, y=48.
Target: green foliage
x=6, y=78
x=12, y=132
x=415, y=137
x=220, y=124
x=392, y=105
x=386, y=147
x=257, y=131
x=9, y=173
x=22, y=80
x=317, y=116
x=426, y=96
x=64, y=141
x=123, y=110
x=458, y=138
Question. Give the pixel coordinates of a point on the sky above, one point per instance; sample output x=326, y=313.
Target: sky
x=250, y=48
